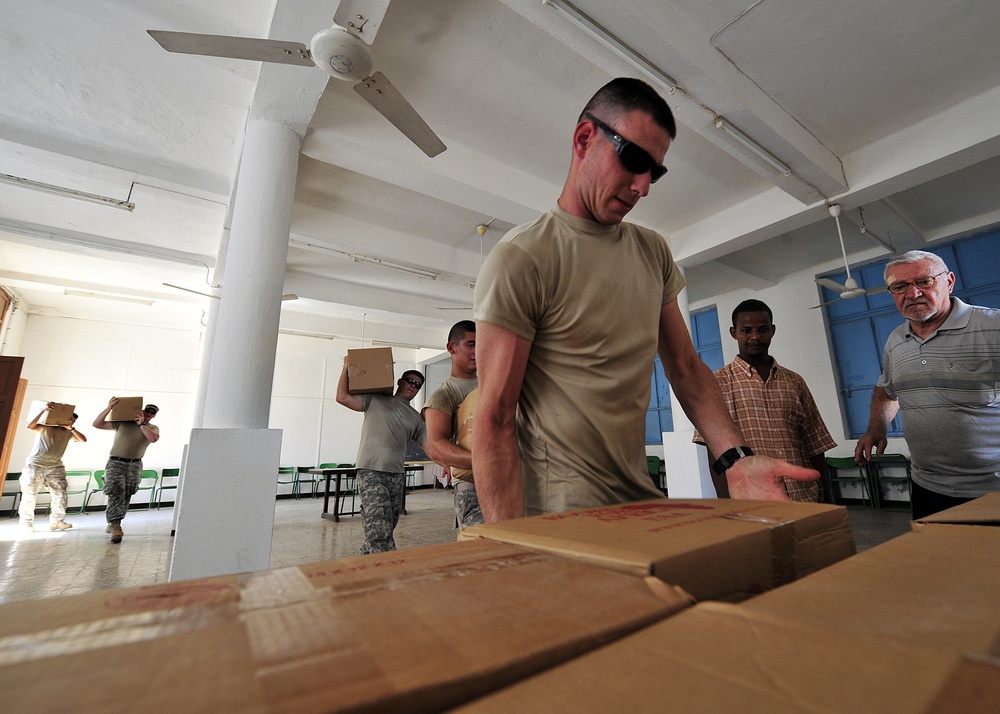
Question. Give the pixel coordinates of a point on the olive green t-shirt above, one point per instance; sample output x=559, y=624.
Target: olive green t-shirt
x=589, y=298
x=130, y=442
x=448, y=398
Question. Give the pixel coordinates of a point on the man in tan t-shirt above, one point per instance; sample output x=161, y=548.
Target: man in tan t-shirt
x=571, y=310
x=124, y=468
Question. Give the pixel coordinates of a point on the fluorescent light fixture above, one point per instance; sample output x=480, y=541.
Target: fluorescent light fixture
x=752, y=145
x=102, y=296
x=386, y=343
x=67, y=192
x=586, y=24
x=357, y=258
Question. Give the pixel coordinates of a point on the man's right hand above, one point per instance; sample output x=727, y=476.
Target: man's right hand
x=758, y=478
x=868, y=446
x=112, y=402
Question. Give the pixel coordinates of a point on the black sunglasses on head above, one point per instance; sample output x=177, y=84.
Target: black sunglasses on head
x=633, y=157
x=413, y=382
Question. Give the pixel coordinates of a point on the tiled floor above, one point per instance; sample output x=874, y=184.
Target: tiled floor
x=44, y=564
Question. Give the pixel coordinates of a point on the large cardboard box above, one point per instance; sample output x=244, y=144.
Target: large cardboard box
x=984, y=511
x=718, y=657
x=370, y=371
x=58, y=415
x=717, y=549
x=936, y=587
x=420, y=629
x=125, y=409
x=464, y=419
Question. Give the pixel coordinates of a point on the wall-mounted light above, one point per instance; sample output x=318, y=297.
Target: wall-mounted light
x=585, y=23
x=752, y=145
x=67, y=192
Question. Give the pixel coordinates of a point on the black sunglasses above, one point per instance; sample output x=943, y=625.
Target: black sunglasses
x=413, y=382
x=633, y=157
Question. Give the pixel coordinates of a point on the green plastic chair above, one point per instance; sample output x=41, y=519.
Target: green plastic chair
x=98, y=487
x=292, y=478
x=653, y=465
x=12, y=487
x=174, y=474
x=843, y=470
x=77, y=482
x=304, y=477
x=878, y=477
x=147, y=482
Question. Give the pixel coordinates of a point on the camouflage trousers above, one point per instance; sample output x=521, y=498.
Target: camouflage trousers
x=33, y=479
x=381, y=503
x=121, y=481
x=467, y=510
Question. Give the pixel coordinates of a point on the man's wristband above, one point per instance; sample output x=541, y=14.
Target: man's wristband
x=730, y=457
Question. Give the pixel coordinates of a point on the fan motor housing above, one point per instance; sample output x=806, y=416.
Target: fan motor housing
x=340, y=54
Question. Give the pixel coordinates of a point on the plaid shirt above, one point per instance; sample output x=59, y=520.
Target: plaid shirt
x=778, y=417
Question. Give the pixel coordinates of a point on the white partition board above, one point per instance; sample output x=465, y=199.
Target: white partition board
x=225, y=512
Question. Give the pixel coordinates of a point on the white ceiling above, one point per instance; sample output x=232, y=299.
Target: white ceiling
x=880, y=105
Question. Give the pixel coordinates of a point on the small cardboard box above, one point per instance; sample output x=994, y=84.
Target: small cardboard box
x=716, y=549
x=125, y=409
x=464, y=419
x=718, y=657
x=984, y=511
x=420, y=629
x=936, y=587
x=59, y=415
x=463, y=431
x=370, y=371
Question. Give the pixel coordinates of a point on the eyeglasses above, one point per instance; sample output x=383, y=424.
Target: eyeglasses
x=149, y=411
x=413, y=382
x=922, y=283
x=633, y=157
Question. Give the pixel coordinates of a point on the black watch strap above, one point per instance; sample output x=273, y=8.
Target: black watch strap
x=730, y=457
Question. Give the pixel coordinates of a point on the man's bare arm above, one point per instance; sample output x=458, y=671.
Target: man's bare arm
x=439, y=445
x=351, y=401
x=883, y=411
x=101, y=422
x=502, y=358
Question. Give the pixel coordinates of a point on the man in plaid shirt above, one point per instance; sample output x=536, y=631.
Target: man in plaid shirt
x=771, y=404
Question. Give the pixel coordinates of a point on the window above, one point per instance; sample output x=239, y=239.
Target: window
x=860, y=326
x=708, y=344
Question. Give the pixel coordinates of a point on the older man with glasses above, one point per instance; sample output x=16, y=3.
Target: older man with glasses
x=941, y=369
x=124, y=469
x=390, y=424
x=571, y=310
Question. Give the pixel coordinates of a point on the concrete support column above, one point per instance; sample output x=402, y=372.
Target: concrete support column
x=235, y=453
x=238, y=393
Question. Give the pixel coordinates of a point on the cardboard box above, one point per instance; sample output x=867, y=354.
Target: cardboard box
x=421, y=629
x=370, y=371
x=59, y=415
x=718, y=657
x=936, y=587
x=464, y=418
x=125, y=409
x=714, y=549
x=984, y=511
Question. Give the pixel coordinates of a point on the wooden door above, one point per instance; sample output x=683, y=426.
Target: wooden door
x=12, y=389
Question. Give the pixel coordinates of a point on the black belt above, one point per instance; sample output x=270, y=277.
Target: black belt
x=122, y=458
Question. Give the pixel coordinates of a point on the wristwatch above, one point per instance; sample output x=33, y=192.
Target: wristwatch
x=730, y=457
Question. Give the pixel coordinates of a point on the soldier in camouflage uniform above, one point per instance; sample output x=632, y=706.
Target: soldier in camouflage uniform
x=390, y=424
x=44, y=467
x=124, y=469
x=439, y=414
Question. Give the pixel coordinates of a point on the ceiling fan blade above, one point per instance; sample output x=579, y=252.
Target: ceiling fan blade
x=831, y=284
x=379, y=92
x=824, y=304
x=362, y=18
x=245, y=48
x=876, y=289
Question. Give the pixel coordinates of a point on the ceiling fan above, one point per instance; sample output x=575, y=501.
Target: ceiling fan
x=341, y=51
x=850, y=288
x=481, y=230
